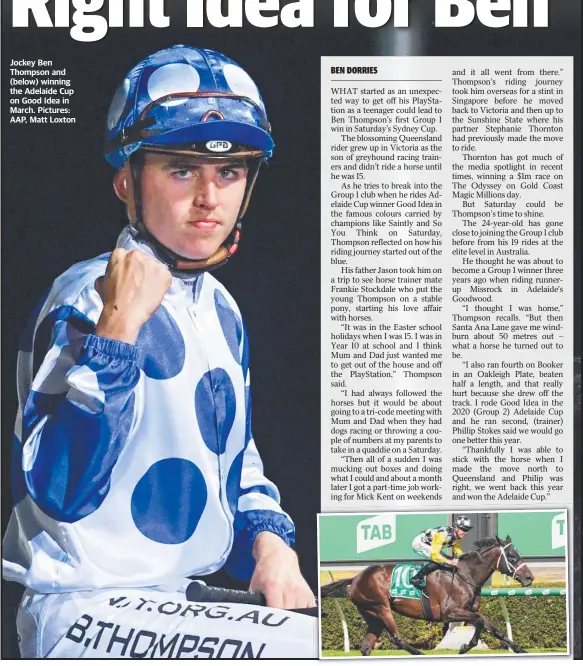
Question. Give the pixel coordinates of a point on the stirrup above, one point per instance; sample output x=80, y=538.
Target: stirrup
x=419, y=583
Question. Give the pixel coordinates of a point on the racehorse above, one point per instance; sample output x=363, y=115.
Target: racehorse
x=453, y=594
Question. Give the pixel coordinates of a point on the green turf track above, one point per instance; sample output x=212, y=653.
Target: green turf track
x=429, y=653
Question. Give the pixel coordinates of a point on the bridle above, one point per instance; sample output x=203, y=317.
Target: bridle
x=512, y=570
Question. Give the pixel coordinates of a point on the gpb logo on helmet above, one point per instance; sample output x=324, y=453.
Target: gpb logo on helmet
x=559, y=531
x=375, y=532
x=219, y=146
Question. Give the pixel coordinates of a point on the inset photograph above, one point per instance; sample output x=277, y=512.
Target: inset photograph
x=435, y=584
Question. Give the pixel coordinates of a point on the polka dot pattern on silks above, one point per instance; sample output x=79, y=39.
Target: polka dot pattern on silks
x=234, y=482
x=161, y=345
x=169, y=500
x=62, y=325
x=38, y=406
x=230, y=324
x=215, y=404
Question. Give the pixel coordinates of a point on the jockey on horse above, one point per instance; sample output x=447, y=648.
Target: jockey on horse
x=430, y=543
x=453, y=596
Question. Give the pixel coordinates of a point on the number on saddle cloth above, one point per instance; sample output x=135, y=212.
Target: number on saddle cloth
x=401, y=581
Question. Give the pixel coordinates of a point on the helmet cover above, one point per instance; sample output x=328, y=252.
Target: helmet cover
x=463, y=522
x=191, y=99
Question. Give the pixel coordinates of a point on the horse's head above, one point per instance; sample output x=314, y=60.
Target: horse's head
x=511, y=563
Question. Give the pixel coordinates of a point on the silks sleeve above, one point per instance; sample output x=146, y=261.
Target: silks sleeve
x=436, y=546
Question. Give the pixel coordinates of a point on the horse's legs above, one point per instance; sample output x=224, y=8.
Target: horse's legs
x=488, y=626
x=391, y=627
x=375, y=629
x=481, y=623
x=477, y=619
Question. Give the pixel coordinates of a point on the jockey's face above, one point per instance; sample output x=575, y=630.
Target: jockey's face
x=460, y=534
x=189, y=204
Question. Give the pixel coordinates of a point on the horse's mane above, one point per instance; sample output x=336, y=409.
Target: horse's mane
x=488, y=542
x=481, y=544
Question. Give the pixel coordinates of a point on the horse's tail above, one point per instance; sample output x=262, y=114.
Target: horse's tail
x=336, y=589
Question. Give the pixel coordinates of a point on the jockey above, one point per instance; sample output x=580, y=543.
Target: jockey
x=135, y=465
x=429, y=544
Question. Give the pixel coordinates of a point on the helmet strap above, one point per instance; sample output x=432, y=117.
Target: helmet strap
x=132, y=184
x=177, y=263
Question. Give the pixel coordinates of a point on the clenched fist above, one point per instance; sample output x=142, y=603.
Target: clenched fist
x=132, y=288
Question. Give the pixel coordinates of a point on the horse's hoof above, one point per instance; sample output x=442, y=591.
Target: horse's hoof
x=464, y=648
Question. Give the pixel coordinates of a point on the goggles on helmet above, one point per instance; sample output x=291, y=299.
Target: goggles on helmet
x=212, y=124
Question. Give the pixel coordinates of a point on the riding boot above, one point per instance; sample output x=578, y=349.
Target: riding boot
x=418, y=579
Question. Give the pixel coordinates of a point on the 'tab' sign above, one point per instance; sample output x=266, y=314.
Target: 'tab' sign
x=375, y=532
x=352, y=537
x=559, y=531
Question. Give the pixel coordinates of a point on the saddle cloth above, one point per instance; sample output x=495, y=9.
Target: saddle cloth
x=400, y=581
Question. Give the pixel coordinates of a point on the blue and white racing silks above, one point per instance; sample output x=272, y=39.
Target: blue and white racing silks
x=135, y=464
